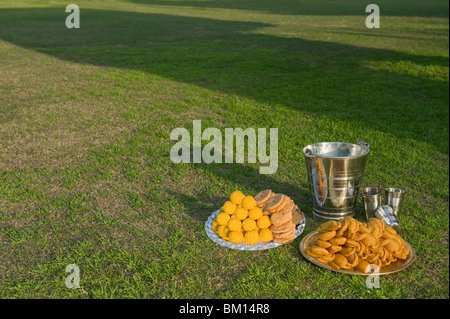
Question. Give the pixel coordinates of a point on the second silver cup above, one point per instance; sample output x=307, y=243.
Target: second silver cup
x=394, y=198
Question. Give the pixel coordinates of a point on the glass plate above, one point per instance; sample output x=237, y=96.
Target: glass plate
x=260, y=245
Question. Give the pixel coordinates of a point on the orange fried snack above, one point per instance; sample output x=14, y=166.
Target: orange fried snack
x=352, y=245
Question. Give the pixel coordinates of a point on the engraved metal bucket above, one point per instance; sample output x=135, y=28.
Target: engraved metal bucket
x=335, y=171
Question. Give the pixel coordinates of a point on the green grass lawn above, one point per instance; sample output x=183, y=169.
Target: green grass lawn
x=86, y=116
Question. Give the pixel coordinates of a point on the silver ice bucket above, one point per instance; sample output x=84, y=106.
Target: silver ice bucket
x=335, y=171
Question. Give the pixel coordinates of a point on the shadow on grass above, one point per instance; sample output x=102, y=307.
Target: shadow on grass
x=315, y=7
x=332, y=80
x=245, y=178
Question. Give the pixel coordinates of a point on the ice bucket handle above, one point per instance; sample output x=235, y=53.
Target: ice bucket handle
x=361, y=142
x=308, y=152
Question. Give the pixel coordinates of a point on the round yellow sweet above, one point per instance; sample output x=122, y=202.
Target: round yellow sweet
x=235, y=236
x=248, y=202
x=248, y=224
x=225, y=233
x=241, y=213
x=237, y=197
x=229, y=207
x=222, y=218
x=255, y=213
x=234, y=224
x=214, y=225
x=220, y=230
x=251, y=237
x=263, y=222
x=265, y=234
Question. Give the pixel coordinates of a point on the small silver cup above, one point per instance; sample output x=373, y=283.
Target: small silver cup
x=371, y=199
x=394, y=198
x=386, y=214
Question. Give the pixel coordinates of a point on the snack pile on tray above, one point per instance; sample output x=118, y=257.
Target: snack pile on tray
x=353, y=245
x=285, y=216
x=265, y=217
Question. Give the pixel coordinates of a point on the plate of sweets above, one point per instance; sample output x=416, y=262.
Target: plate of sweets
x=266, y=220
x=353, y=247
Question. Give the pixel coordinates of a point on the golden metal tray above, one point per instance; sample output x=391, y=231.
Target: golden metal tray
x=399, y=265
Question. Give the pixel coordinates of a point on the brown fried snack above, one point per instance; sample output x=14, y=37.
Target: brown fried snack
x=262, y=197
x=284, y=240
x=280, y=217
x=285, y=216
x=280, y=228
x=297, y=215
x=286, y=205
x=286, y=234
x=273, y=202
